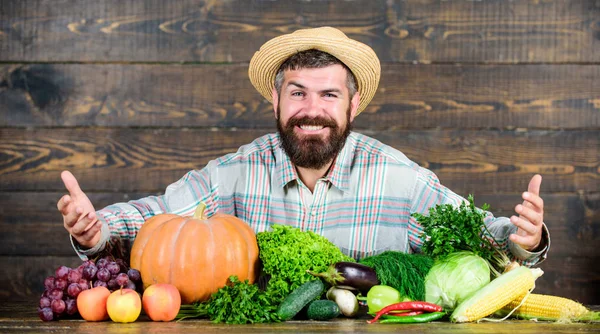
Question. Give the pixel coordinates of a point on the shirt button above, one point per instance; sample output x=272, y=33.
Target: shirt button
x=314, y=212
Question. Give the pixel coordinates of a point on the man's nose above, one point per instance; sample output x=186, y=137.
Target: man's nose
x=313, y=105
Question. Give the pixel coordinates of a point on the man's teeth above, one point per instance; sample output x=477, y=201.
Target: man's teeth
x=311, y=127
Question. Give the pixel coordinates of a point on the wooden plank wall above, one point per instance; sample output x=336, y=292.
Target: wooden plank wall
x=130, y=95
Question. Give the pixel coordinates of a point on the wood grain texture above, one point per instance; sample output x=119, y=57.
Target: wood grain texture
x=32, y=226
x=147, y=160
x=409, y=96
x=22, y=277
x=130, y=95
x=214, y=31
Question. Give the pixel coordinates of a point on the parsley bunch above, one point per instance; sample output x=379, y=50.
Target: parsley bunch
x=449, y=229
x=236, y=303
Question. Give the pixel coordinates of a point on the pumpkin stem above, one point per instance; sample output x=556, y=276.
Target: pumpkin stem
x=199, y=213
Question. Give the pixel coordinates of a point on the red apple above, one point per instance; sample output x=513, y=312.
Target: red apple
x=124, y=305
x=91, y=304
x=161, y=301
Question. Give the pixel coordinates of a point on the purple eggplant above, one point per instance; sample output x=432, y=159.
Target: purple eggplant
x=349, y=275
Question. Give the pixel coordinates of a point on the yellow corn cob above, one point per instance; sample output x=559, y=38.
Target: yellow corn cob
x=544, y=307
x=496, y=294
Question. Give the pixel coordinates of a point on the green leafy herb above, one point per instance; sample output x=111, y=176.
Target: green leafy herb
x=287, y=253
x=236, y=303
x=403, y=272
x=450, y=229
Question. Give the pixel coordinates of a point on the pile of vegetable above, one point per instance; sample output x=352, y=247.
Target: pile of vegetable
x=460, y=276
x=287, y=254
x=464, y=250
x=462, y=246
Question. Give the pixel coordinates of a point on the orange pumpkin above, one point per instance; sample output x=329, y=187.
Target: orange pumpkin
x=195, y=254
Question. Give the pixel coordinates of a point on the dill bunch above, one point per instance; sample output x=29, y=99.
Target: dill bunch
x=403, y=272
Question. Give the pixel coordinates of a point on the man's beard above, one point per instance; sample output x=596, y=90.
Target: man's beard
x=312, y=151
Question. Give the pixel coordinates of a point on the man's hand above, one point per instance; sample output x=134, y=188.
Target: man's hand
x=531, y=217
x=78, y=213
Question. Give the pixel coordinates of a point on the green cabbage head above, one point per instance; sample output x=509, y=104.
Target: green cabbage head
x=454, y=278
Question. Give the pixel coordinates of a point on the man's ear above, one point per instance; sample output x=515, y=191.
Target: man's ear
x=354, y=103
x=275, y=101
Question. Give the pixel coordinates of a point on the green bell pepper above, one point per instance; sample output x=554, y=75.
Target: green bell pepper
x=380, y=296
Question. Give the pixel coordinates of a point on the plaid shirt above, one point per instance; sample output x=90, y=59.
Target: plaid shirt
x=363, y=205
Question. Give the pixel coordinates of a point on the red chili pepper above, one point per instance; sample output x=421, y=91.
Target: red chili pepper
x=404, y=314
x=412, y=306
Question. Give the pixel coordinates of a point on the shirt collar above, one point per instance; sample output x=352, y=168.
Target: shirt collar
x=338, y=175
x=287, y=172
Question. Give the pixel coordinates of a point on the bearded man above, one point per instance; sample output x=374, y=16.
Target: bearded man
x=314, y=173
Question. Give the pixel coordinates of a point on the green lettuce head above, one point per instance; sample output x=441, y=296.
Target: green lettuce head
x=287, y=253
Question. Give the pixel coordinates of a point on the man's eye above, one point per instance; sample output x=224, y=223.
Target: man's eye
x=297, y=94
x=330, y=95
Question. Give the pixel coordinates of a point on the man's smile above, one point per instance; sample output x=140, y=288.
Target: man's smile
x=311, y=129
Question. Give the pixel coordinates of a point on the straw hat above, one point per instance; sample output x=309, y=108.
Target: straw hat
x=359, y=58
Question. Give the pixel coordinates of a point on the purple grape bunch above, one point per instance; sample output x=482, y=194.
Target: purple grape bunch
x=61, y=289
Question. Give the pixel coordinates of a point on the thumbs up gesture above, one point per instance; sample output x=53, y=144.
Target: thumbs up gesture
x=78, y=213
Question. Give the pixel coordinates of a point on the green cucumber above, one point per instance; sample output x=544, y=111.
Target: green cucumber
x=322, y=310
x=299, y=298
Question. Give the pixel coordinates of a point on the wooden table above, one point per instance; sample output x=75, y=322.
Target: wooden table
x=21, y=317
